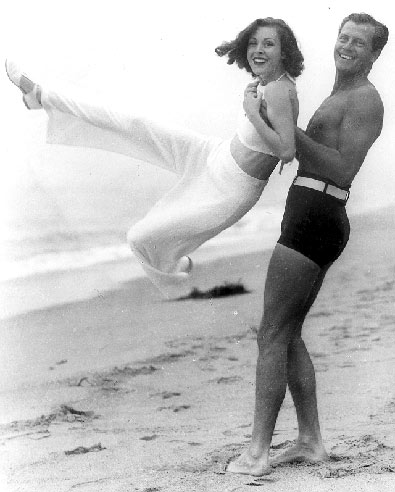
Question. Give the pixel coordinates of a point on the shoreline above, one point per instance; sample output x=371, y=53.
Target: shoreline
x=53, y=288
x=48, y=289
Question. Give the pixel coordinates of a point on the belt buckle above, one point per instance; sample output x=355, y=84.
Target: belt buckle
x=347, y=196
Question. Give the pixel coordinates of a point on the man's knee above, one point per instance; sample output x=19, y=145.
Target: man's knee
x=287, y=315
x=272, y=334
x=296, y=342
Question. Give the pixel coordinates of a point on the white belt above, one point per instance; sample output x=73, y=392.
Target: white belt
x=315, y=184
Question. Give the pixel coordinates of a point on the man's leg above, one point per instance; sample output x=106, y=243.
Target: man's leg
x=289, y=283
x=301, y=382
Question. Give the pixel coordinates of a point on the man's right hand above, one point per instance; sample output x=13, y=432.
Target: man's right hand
x=263, y=113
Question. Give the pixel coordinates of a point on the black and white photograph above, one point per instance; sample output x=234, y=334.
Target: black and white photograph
x=197, y=246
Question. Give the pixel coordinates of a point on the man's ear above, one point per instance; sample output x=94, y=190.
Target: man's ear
x=375, y=55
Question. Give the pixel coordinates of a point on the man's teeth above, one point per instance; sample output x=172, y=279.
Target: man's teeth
x=259, y=60
x=345, y=57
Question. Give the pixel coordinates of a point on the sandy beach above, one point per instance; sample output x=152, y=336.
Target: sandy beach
x=129, y=392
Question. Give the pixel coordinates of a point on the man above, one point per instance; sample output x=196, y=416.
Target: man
x=315, y=230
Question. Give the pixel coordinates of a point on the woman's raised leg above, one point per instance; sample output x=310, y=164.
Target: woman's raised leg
x=79, y=123
x=73, y=122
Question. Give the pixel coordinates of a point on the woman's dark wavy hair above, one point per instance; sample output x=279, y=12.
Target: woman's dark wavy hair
x=236, y=50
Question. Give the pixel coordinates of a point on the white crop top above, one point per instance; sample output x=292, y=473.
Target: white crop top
x=246, y=131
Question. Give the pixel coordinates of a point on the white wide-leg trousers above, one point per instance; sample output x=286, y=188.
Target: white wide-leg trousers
x=211, y=194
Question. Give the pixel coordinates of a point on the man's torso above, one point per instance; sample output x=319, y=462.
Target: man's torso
x=326, y=125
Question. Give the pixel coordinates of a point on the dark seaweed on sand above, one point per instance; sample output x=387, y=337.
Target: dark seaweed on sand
x=224, y=290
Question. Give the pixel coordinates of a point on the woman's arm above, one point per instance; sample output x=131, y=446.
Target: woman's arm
x=281, y=137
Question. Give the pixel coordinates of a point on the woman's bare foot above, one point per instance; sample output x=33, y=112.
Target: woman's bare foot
x=249, y=465
x=301, y=452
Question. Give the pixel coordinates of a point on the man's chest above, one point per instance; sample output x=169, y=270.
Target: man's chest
x=327, y=120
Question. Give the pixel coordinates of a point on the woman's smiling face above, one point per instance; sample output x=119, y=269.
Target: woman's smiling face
x=264, y=53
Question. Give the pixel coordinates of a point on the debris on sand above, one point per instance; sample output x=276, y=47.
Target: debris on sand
x=224, y=290
x=82, y=449
x=64, y=413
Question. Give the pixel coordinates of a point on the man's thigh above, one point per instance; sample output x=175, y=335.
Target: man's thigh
x=290, y=281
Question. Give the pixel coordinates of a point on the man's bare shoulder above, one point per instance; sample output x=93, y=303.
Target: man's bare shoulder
x=365, y=100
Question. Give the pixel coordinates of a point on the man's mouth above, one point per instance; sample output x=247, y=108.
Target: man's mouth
x=345, y=57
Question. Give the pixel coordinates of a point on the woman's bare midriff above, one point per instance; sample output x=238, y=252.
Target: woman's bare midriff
x=254, y=163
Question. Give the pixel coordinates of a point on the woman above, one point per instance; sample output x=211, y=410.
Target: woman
x=219, y=180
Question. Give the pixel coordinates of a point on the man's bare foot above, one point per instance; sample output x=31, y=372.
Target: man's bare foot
x=301, y=452
x=249, y=465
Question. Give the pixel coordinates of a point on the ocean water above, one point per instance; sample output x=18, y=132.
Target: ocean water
x=53, y=247
x=42, y=251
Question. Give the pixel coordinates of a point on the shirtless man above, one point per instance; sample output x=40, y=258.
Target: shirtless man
x=314, y=232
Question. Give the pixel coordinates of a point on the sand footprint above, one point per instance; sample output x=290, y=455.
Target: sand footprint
x=169, y=358
x=149, y=438
x=175, y=408
x=365, y=454
x=165, y=395
x=226, y=379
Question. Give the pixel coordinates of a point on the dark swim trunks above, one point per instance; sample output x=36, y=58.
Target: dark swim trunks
x=314, y=224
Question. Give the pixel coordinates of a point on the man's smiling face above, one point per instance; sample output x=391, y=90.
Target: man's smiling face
x=353, y=49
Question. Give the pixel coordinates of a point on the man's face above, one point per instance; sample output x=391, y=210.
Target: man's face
x=353, y=49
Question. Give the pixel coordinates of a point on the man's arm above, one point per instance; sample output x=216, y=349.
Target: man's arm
x=361, y=125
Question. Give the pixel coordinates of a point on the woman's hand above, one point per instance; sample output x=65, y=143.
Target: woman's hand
x=252, y=100
x=279, y=134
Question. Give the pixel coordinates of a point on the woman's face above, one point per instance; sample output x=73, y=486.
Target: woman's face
x=264, y=54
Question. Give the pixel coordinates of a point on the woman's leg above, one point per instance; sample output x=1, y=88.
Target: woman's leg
x=196, y=209
x=83, y=124
x=79, y=123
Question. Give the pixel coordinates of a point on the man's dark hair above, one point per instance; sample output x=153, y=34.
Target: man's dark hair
x=380, y=36
x=236, y=50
